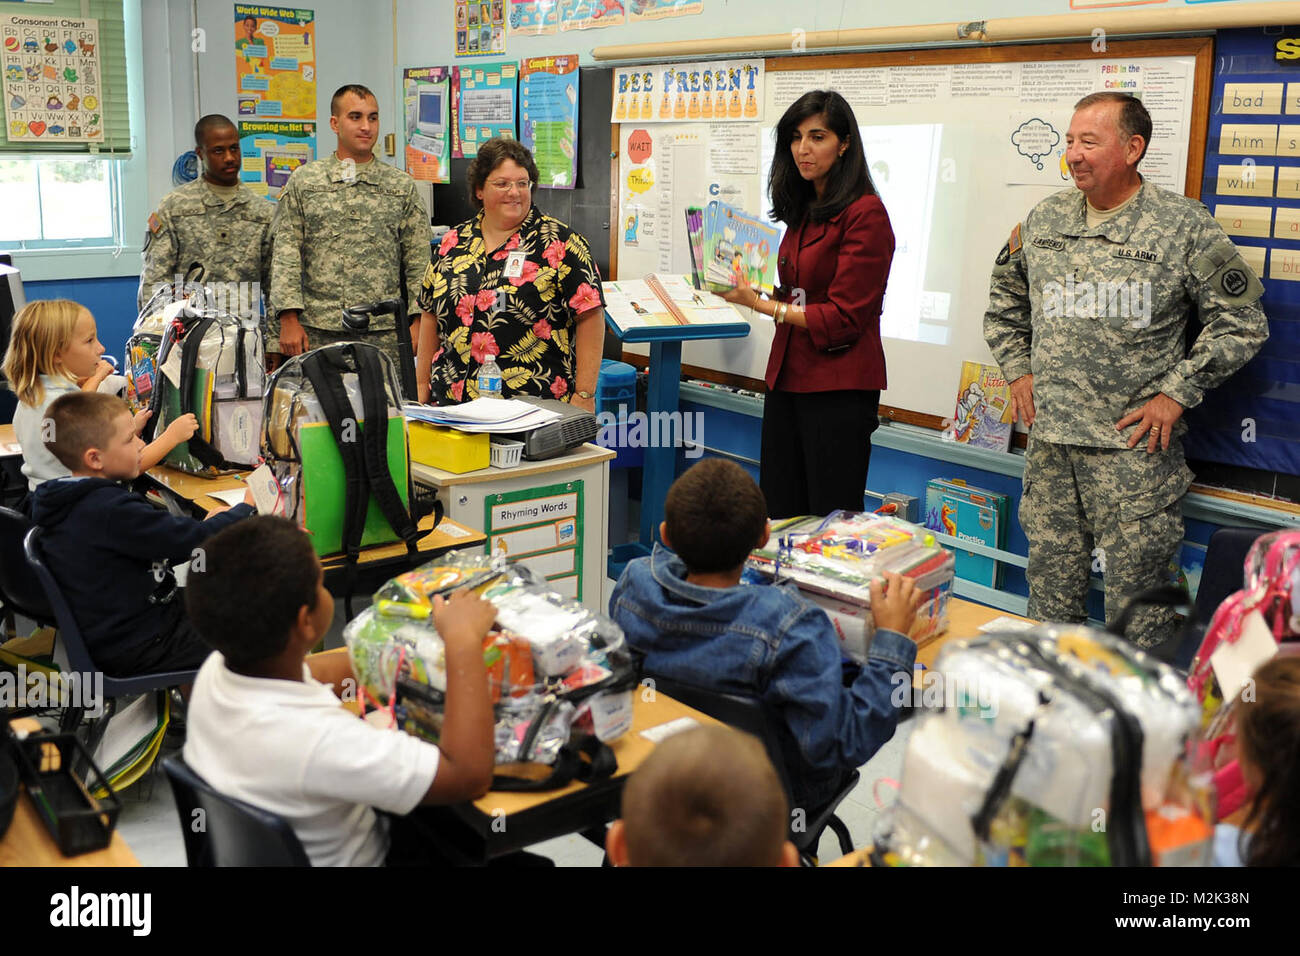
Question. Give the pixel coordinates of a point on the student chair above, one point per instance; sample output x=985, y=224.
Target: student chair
x=20, y=590
x=752, y=716
x=233, y=833
x=79, y=659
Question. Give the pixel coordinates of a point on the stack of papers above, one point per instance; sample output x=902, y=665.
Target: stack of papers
x=494, y=415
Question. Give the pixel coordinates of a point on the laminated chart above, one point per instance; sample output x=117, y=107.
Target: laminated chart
x=534, y=17
x=590, y=14
x=486, y=104
x=275, y=62
x=271, y=150
x=426, y=102
x=548, y=117
x=480, y=27
x=657, y=9
x=52, y=80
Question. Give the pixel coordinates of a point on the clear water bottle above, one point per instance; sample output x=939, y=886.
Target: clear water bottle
x=489, y=379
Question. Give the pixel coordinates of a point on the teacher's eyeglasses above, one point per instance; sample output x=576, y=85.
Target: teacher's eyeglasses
x=504, y=186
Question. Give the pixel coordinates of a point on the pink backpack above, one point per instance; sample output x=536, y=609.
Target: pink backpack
x=1271, y=582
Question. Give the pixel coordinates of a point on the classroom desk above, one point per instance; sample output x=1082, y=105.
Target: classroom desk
x=503, y=822
x=567, y=544
x=13, y=484
x=195, y=493
x=28, y=843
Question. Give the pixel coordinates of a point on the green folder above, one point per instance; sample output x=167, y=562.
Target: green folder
x=323, y=487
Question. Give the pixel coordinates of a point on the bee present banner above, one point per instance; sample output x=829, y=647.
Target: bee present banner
x=52, y=80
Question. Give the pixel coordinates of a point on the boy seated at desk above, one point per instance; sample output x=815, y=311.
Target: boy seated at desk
x=706, y=797
x=265, y=725
x=691, y=620
x=110, y=549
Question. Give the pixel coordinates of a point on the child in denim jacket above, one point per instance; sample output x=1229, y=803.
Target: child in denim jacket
x=690, y=618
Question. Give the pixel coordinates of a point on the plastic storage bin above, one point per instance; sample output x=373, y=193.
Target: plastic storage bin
x=78, y=822
x=506, y=454
x=448, y=449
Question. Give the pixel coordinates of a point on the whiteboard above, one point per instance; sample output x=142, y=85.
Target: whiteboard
x=959, y=153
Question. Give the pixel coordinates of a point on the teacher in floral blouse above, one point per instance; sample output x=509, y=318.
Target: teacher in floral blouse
x=512, y=283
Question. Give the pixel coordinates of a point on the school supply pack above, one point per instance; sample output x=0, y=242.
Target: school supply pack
x=730, y=247
x=212, y=364
x=1248, y=628
x=970, y=514
x=560, y=675
x=1055, y=746
x=334, y=438
x=834, y=559
x=141, y=360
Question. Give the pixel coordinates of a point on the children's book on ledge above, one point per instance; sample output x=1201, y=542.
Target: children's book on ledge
x=983, y=414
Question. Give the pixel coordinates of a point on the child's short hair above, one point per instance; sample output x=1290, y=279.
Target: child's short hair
x=245, y=593
x=41, y=330
x=76, y=422
x=715, y=516
x=705, y=797
x=1268, y=735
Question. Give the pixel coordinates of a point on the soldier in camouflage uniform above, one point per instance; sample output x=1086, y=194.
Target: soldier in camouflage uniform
x=349, y=230
x=1087, y=308
x=216, y=221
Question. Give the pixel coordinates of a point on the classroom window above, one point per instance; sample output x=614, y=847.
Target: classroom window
x=60, y=203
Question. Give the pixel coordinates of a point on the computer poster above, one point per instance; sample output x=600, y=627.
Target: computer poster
x=548, y=117
x=426, y=102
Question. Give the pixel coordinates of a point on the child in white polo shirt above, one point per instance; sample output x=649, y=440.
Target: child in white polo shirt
x=264, y=723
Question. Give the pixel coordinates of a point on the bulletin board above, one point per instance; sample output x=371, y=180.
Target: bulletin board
x=961, y=144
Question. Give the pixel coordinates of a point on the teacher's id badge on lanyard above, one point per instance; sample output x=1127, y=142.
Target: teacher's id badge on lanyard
x=515, y=264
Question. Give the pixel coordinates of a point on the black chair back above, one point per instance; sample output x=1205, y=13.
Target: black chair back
x=20, y=589
x=1225, y=560
x=735, y=710
x=233, y=833
x=79, y=658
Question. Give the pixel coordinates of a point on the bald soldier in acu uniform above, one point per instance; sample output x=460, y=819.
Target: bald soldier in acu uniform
x=216, y=221
x=350, y=230
x=1088, y=305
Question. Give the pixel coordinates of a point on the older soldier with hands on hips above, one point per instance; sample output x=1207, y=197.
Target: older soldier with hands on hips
x=1088, y=305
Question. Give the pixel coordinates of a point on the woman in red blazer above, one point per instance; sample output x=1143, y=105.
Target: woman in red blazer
x=827, y=366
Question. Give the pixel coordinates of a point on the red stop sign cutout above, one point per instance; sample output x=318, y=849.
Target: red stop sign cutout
x=638, y=146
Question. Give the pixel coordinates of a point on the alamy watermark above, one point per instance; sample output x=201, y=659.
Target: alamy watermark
x=39, y=689
x=240, y=299
x=937, y=691
x=676, y=429
x=1118, y=301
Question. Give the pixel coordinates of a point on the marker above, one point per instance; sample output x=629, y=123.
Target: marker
x=416, y=612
